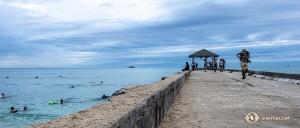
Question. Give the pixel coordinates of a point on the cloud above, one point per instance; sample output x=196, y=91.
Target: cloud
x=151, y=32
x=87, y=10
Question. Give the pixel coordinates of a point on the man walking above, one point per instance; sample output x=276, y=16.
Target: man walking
x=244, y=55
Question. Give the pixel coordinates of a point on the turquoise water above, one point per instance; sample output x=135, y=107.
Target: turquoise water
x=23, y=89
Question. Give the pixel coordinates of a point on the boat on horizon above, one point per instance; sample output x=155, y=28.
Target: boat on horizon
x=131, y=67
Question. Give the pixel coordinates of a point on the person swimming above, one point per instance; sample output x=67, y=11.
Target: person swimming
x=104, y=97
x=25, y=108
x=61, y=101
x=2, y=95
x=13, y=110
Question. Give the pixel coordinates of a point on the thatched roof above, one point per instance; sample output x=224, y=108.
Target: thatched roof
x=203, y=53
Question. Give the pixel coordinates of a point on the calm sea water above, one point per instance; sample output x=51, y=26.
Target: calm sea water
x=23, y=89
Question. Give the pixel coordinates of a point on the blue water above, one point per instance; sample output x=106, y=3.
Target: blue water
x=23, y=89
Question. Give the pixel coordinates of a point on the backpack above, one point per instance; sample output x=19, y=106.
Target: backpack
x=248, y=60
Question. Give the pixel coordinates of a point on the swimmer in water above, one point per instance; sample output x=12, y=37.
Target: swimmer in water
x=61, y=101
x=13, y=110
x=104, y=97
x=25, y=108
x=2, y=95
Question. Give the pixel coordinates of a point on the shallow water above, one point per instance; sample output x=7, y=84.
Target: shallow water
x=23, y=89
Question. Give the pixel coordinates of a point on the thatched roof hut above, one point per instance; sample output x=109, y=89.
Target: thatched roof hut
x=203, y=53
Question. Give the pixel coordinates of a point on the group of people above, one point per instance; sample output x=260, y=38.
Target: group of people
x=209, y=66
x=244, y=60
x=13, y=110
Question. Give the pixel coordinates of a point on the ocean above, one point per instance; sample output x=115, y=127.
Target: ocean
x=21, y=88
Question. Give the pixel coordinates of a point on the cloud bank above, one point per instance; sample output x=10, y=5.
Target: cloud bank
x=148, y=33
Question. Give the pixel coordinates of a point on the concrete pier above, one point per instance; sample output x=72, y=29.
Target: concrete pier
x=210, y=99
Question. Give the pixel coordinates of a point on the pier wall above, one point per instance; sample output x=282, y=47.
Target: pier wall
x=151, y=112
x=270, y=74
x=265, y=73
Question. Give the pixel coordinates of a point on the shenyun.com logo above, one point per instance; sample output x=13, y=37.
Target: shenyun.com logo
x=252, y=117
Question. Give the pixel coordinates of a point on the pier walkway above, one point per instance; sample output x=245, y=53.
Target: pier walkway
x=220, y=100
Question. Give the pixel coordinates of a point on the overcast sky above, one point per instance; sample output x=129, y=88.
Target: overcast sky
x=146, y=33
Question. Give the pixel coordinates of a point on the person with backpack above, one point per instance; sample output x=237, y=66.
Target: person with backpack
x=244, y=59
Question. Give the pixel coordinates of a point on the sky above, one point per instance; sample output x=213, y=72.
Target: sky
x=146, y=33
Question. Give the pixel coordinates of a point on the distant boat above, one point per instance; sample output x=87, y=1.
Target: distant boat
x=131, y=67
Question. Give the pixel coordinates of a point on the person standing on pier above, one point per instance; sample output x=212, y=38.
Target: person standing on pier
x=193, y=66
x=244, y=56
x=221, y=65
x=205, y=64
x=215, y=66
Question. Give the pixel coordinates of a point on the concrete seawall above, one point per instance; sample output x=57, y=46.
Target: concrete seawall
x=151, y=112
x=270, y=74
x=265, y=73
